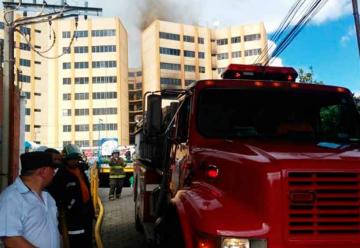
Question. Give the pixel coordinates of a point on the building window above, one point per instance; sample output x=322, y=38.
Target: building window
x=170, y=66
x=66, y=65
x=38, y=62
x=27, y=128
x=131, y=86
x=37, y=94
x=169, y=36
x=104, y=80
x=81, y=65
x=222, y=42
x=236, y=54
x=252, y=52
x=104, y=111
x=222, y=56
x=65, y=143
x=81, y=96
x=24, y=78
x=27, y=95
x=131, y=74
x=188, y=38
x=37, y=47
x=82, y=143
x=25, y=30
x=2, y=25
x=27, y=111
x=221, y=70
x=103, y=32
x=81, y=33
x=251, y=37
x=66, y=34
x=201, y=69
x=66, y=80
x=82, y=128
x=66, y=50
x=38, y=31
x=201, y=55
x=236, y=39
x=170, y=81
x=25, y=62
x=37, y=78
x=189, y=53
x=139, y=73
x=79, y=112
x=189, y=68
x=104, y=49
x=104, y=95
x=139, y=86
x=104, y=64
x=67, y=96
x=81, y=49
x=66, y=128
x=66, y=112
x=189, y=81
x=169, y=51
x=24, y=46
x=37, y=126
x=81, y=80
x=105, y=126
x=201, y=40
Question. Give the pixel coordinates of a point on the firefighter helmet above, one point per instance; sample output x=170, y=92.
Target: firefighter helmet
x=72, y=151
x=115, y=151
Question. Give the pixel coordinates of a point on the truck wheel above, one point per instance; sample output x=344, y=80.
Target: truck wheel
x=138, y=225
x=168, y=233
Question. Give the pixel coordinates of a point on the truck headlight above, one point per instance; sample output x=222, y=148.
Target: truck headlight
x=243, y=243
x=235, y=243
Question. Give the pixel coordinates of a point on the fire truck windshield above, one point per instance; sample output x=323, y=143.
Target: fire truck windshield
x=278, y=114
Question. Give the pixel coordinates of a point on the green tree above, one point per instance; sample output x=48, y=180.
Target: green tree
x=308, y=76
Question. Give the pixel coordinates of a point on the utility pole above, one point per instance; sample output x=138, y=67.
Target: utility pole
x=357, y=22
x=48, y=12
x=8, y=78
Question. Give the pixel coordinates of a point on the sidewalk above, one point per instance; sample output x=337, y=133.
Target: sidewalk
x=118, y=229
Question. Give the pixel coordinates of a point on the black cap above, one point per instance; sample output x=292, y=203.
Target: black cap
x=35, y=160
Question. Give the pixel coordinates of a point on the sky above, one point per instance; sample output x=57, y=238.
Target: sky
x=328, y=43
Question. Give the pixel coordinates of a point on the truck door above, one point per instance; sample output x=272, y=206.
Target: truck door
x=180, y=149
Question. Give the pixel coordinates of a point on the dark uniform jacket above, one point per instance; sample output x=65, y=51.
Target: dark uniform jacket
x=66, y=191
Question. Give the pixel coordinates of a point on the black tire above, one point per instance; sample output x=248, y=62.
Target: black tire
x=138, y=225
x=168, y=232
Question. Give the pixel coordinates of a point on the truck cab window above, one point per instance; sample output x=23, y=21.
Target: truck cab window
x=183, y=120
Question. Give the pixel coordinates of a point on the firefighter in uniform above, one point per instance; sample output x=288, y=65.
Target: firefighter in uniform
x=117, y=175
x=71, y=191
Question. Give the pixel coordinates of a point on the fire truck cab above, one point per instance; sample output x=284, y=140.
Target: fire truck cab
x=254, y=160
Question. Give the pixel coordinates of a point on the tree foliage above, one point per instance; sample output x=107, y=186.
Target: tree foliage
x=308, y=76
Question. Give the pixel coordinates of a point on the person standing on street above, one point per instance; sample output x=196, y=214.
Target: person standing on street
x=71, y=190
x=28, y=214
x=117, y=175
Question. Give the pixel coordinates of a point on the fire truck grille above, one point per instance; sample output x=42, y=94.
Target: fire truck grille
x=323, y=203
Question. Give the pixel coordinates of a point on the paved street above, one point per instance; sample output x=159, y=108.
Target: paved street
x=118, y=229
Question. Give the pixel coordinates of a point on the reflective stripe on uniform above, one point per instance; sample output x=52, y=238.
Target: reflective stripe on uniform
x=75, y=232
x=117, y=176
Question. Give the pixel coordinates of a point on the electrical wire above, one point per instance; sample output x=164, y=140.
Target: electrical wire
x=11, y=11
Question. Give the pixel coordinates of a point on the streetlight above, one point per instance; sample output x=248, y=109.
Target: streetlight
x=99, y=140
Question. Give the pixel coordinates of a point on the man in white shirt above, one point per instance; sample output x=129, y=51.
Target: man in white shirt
x=28, y=215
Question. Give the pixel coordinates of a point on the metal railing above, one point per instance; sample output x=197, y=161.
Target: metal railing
x=99, y=208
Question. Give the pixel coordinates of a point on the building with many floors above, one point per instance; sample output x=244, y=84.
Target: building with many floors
x=174, y=55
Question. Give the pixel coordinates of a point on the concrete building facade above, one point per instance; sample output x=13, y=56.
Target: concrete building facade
x=175, y=55
x=78, y=92
x=135, y=100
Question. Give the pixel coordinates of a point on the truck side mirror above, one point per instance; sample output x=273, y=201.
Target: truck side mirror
x=153, y=120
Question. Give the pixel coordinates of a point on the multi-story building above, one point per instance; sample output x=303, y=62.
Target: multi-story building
x=31, y=76
x=81, y=96
x=88, y=85
x=135, y=100
x=175, y=55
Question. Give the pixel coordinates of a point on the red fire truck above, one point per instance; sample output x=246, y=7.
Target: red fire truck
x=254, y=160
